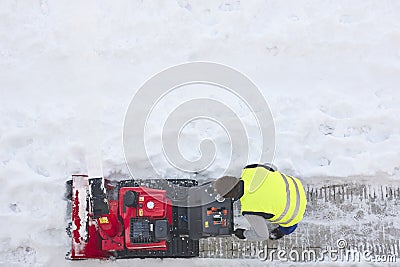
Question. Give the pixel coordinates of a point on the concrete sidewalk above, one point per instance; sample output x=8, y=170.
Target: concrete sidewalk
x=349, y=219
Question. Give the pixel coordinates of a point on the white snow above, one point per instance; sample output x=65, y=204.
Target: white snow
x=330, y=71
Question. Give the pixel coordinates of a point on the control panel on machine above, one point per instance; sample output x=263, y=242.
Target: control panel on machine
x=209, y=217
x=218, y=216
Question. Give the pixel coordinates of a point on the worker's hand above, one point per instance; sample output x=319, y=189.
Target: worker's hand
x=276, y=234
x=239, y=233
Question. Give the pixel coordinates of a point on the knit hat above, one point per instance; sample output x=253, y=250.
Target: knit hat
x=225, y=184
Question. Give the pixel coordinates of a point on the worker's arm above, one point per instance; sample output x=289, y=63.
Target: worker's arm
x=258, y=230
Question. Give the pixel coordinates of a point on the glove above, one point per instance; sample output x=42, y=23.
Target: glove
x=239, y=233
x=276, y=234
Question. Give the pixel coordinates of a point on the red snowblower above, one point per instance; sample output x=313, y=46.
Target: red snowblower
x=143, y=218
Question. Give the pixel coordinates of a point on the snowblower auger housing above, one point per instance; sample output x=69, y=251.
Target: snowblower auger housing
x=143, y=218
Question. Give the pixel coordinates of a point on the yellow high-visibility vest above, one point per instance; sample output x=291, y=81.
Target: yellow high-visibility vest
x=275, y=193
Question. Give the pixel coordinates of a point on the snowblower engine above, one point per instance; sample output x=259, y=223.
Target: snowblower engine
x=148, y=218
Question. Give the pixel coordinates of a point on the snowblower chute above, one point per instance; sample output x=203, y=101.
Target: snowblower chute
x=143, y=218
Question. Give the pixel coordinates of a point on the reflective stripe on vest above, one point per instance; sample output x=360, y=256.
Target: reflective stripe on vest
x=287, y=200
x=297, y=207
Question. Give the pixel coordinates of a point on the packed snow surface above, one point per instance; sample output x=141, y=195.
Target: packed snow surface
x=330, y=71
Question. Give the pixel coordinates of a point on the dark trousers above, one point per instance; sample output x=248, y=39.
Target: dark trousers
x=287, y=230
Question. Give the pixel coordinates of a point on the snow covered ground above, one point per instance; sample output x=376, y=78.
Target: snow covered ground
x=330, y=71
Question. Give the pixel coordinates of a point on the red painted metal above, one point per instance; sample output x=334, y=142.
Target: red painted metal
x=86, y=242
x=152, y=204
x=100, y=237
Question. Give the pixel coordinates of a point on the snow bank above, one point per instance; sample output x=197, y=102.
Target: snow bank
x=329, y=70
